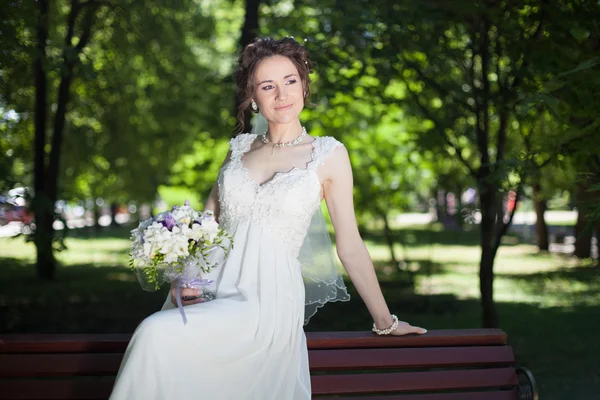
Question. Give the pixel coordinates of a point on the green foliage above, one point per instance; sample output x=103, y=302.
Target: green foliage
x=470, y=74
x=16, y=94
x=152, y=78
x=150, y=97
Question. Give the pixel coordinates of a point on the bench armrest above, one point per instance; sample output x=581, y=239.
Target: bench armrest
x=527, y=386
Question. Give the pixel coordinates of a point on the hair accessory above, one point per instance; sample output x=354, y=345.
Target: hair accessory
x=389, y=330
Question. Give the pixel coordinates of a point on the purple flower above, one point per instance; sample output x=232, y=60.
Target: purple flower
x=186, y=203
x=168, y=222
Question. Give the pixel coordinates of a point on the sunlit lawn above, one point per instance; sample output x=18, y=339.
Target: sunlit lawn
x=548, y=304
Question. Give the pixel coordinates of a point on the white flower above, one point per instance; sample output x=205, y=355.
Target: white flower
x=210, y=228
x=137, y=234
x=196, y=232
x=177, y=244
x=150, y=249
x=183, y=215
x=155, y=236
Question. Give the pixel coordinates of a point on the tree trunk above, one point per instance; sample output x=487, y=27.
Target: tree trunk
x=598, y=242
x=389, y=238
x=445, y=210
x=114, y=207
x=440, y=205
x=97, y=214
x=45, y=263
x=488, y=253
x=541, y=228
x=583, y=229
x=46, y=191
x=249, y=33
x=583, y=236
x=459, y=208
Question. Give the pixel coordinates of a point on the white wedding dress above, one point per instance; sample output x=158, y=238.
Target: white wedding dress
x=249, y=342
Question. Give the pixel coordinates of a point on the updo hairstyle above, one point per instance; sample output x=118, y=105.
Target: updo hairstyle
x=254, y=53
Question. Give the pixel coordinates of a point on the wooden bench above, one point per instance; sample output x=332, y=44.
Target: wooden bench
x=440, y=365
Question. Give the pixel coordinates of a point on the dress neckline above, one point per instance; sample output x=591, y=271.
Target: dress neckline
x=277, y=174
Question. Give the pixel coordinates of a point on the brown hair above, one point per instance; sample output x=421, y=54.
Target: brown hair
x=256, y=52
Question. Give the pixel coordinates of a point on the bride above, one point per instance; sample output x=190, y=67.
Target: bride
x=249, y=342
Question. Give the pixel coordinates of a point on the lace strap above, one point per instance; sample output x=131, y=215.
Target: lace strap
x=324, y=147
x=241, y=144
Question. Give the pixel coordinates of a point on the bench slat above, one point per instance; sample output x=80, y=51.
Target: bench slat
x=413, y=381
x=64, y=343
x=28, y=365
x=115, y=343
x=408, y=358
x=496, y=395
x=433, y=338
x=83, y=366
x=51, y=365
x=100, y=389
x=96, y=389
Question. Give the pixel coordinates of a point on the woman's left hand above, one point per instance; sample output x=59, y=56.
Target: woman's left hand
x=405, y=328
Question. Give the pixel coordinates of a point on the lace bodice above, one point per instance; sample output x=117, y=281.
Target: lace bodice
x=284, y=204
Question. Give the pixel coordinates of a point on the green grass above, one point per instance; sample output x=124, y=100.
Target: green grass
x=548, y=304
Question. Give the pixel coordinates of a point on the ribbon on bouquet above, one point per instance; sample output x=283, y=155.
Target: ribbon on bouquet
x=194, y=282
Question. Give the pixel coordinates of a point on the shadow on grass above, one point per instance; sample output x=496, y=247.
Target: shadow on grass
x=81, y=299
x=589, y=275
x=409, y=269
x=109, y=232
x=569, y=286
x=424, y=237
x=427, y=236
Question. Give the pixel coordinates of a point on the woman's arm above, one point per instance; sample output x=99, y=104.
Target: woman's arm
x=212, y=204
x=336, y=174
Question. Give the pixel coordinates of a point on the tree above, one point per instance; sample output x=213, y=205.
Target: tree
x=569, y=92
x=123, y=98
x=79, y=24
x=464, y=68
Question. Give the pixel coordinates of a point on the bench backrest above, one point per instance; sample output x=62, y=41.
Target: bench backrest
x=442, y=365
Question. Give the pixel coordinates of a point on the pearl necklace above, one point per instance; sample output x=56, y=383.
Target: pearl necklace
x=294, y=142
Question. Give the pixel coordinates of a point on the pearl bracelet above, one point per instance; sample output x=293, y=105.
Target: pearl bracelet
x=388, y=330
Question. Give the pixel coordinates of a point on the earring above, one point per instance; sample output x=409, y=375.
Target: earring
x=254, y=106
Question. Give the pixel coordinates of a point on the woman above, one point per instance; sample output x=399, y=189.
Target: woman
x=248, y=343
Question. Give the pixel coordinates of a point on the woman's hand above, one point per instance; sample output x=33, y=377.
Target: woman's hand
x=405, y=328
x=185, y=292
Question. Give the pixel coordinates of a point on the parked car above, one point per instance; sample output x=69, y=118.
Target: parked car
x=11, y=212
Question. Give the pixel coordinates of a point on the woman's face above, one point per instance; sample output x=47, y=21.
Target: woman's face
x=279, y=91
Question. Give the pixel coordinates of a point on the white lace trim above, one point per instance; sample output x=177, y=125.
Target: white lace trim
x=245, y=200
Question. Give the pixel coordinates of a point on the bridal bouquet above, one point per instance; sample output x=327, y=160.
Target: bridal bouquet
x=178, y=246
